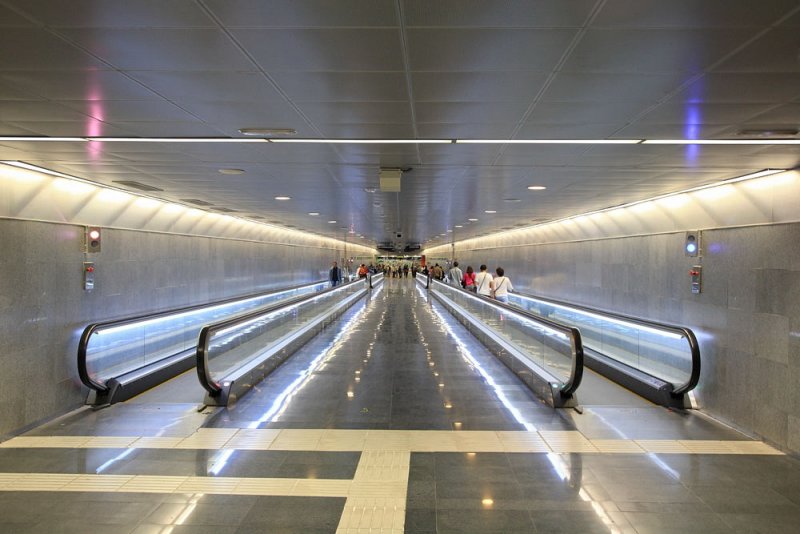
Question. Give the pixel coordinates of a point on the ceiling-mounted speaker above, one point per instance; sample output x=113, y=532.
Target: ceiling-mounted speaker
x=390, y=180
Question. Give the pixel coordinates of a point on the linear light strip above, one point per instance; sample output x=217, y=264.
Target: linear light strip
x=721, y=142
x=405, y=141
x=550, y=141
x=574, y=218
x=43, y=170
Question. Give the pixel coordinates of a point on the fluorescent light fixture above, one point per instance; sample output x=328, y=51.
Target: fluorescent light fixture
x=331, y=222
x=721, y=142
x=489, y=211
x=313, y=213
x=43, y=139
x=472, y=220
x=537, y=187
x=231, y=172
x=550, y=141
x=173, y=140
x=459, y=226
x=752, y=175
x=28, y=166
x=366, y=141
x=283, y=198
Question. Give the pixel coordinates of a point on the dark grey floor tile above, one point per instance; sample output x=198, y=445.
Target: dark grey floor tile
x=667, y=493
x=769, y=523
x=72, y=526
x=745, y=499
x=420, y=520
x=483, y=521
x=664, y=523
x=301, y=513
x=588, y=521
x=147, y=528
x=199, y=513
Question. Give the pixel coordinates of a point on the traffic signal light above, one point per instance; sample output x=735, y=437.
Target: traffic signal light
x=691, y=245
x=93, y=239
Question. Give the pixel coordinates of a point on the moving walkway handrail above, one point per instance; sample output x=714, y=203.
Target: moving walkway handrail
x=684, y=332
x=83, y=344
x=208, y=331
x=574, y=335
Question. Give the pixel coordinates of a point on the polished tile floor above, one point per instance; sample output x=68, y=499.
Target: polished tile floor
x=393, y=419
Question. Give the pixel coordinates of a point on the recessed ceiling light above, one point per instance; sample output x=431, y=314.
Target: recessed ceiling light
x=331, y=222
x=267, y=132
x=313, y=213
x=449, y=231
x=511, y=200
x=231, y=171
x=283, y=198
x=537, y=187
x=369, y=189
x=472, y=220
x=459, y=226
x=489, y=211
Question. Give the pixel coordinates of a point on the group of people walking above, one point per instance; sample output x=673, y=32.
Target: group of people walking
x=482, y=282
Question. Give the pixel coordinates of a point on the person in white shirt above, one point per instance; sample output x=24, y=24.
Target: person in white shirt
x=455, y=275
x=501, y=285
x=483, y=281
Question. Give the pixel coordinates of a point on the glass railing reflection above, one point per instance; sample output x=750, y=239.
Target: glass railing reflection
x=116, y=348
x=548, y=349
x=662, y=351
x=244, y=349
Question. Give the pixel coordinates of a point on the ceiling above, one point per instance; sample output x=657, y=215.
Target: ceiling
x=399, y=69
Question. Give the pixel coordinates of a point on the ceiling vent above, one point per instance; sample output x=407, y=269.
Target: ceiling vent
x=225, y=210
x=196, y=201
x=136, y=185
x=768, y=132
x=390, y=180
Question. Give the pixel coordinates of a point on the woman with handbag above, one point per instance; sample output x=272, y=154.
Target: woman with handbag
x=468, y=282
x=501, y=285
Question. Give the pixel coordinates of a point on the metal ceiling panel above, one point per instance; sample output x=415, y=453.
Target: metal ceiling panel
x=654, y=51
x=358, y=112
x=209, y=85
x=304, y=13
x=496, y=86
x=691, y=13
x=130, y=111
x=475, y=112
x=466, y=50
x=36, y=49
x=38, y=111
x=10, y=18
x=497, y=13
x=776, y=51
x=80, y=128
x=170, y=129
x=162, y=49
x=343, y=86
x=612, y=87
x=324, y=49
x=586, y=112
x=105, y=14
x=87, y=85
x=743, y=88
